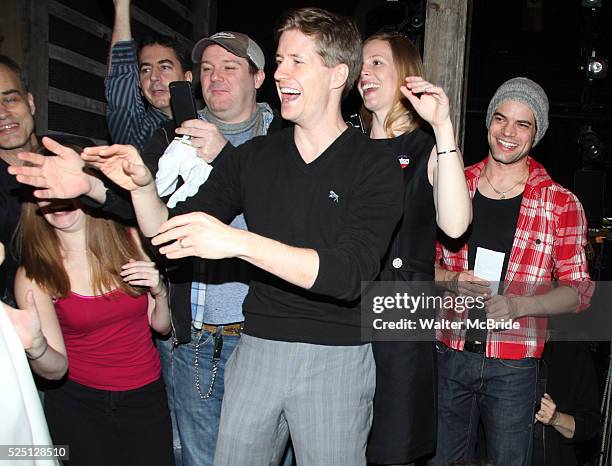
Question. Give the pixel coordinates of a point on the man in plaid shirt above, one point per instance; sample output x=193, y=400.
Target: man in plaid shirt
x=540, y=227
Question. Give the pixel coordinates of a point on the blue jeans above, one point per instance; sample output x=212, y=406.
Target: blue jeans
x=165, y=354
x=196, y=411
x=499, y=392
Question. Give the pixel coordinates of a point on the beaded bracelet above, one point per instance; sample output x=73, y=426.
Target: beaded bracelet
x=34, y=358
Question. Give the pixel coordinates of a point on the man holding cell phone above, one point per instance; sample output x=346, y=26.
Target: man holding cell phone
x=208, y=295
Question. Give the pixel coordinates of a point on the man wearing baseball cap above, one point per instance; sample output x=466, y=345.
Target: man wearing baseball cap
x=208, y=295
x=237, y=43
x=539, y=229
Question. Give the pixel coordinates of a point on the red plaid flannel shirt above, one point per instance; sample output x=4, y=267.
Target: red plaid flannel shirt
x=548, y=245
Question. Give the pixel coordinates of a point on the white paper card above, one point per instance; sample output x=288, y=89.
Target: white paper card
x=489, y=265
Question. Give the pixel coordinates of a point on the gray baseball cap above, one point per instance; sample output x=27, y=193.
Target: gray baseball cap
x=237, y=43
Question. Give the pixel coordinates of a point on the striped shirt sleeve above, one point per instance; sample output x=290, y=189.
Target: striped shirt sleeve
x=129, y=121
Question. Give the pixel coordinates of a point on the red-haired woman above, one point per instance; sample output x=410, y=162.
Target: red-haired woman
x=98, y=298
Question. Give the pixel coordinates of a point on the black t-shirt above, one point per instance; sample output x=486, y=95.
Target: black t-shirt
x=493, y=227
x=345, y=205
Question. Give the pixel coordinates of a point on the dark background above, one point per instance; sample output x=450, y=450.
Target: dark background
x=546, y=41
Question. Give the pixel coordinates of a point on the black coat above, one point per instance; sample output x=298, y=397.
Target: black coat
x=571, y=381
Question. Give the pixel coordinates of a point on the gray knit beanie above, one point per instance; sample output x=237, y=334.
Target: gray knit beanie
x=526, y=91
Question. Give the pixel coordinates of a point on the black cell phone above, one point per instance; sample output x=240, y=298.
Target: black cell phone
x=182, y=102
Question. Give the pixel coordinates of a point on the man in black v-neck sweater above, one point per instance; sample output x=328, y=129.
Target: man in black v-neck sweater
x=343, y=205
x=321, y=202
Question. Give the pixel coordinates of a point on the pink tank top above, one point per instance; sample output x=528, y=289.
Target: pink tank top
x=108, y=340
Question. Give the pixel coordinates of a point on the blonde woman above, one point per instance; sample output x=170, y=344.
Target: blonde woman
x=396, y=102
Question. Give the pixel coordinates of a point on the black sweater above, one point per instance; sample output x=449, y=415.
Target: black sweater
x=179, y=272
x=345, y=205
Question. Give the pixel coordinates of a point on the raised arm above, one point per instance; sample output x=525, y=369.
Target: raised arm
x=451, y=196
x=121, y=29
x=124, y=166
x=129, y=120
x=38, y=328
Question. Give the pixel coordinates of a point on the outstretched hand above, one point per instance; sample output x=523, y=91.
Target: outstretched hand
x=121, y=164
x=197, y=234
x=60, y=177
x=429, y=101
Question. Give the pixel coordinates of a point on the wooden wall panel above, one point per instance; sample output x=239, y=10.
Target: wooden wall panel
x=63, y=47
x=446, y=53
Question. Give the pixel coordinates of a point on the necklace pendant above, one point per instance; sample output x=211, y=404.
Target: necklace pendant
x=503, y=196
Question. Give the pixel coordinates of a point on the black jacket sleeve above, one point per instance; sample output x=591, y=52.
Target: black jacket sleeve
x=586, y=407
